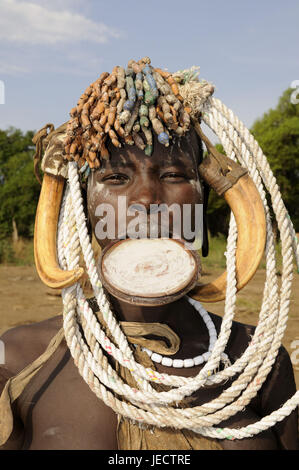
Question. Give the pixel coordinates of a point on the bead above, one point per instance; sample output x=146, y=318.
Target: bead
x=163, y=138
x=129, y=140
x=136, y=127
x=136, y=67
x=149, y=98
x=179, y=363
x=206, y=356
x=148, y=150
x=152, y=112
x=146, y=60
x=124, y=117
x=129, y=105
x=188, y=362
x=143, y=110
x=129, y=72
x=146, y=69
x=166, y=361
x=146, y=85
x=132, y=94
x=151, y=81
x=156, y=358
x=147, y=351
x=129, y=125
x=84, y=168
x=148, y=135
x=144, y=121
x=204, y=315
x=139, y=94
x=138, y=140
x=86, y=173
x=198, y=360
x=157, y=126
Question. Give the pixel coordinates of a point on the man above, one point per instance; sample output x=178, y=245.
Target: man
x=58, y=409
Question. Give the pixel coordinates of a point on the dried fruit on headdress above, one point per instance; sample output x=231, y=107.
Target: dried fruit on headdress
x=126, y=107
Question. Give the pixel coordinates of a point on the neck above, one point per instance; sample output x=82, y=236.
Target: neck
x=136, y=313
x=180, y=316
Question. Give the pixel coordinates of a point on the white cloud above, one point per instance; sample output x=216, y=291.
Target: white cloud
x=30, y=23
x=11, y=69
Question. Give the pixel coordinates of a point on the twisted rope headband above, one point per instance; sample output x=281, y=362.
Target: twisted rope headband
x=89, y=344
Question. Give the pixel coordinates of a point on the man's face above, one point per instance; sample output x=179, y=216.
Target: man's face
x=169, y=176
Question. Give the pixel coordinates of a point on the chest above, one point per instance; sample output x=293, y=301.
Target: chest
x=59, y=411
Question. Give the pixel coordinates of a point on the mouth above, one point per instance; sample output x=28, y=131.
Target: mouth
x=147, y=230
x=148, y=272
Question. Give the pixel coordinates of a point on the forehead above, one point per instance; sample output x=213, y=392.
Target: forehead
x=183, y=151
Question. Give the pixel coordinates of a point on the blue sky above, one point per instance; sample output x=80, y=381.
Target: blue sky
x=50, y=51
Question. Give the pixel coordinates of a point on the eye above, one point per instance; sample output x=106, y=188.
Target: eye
x=116, y=178
x=174, y=177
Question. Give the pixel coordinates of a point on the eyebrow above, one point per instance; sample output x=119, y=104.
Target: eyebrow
x=176, y=162
x=124, y=161
x=119, y=163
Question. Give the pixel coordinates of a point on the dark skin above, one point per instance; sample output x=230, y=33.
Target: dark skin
x=57, y=409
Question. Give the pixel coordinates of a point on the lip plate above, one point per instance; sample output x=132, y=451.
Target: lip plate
x=147, y=300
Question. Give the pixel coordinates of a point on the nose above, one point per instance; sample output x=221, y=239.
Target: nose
x=145, y=193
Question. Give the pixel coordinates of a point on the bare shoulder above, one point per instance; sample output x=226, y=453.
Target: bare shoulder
x=25, y=343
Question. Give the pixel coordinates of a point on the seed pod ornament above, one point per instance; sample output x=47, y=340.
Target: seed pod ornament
x=125, y=107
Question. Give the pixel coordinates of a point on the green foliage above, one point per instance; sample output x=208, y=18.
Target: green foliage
x=6, y=251
x=19, y=189
x=216, y=258
x=277, y=132
x=20, y=253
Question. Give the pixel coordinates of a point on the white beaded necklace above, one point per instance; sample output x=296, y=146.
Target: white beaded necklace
x=195, y=361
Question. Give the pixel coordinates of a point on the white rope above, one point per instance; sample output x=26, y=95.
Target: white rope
x=89, y=344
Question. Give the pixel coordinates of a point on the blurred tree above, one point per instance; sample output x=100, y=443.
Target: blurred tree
x=277, y=132
x=19, y=189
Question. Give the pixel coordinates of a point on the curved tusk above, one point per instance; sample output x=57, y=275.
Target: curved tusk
x=245, y=202
x=45, y=231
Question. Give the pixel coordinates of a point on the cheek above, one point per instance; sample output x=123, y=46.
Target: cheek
x=189, y=193
x=97, y=194
x=197, y=192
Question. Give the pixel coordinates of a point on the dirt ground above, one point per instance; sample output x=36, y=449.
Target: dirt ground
x=24, y=300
